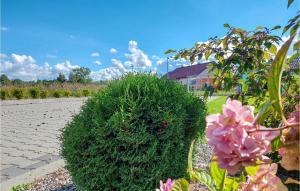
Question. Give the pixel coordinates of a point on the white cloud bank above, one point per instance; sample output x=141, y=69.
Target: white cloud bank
x=25, y=68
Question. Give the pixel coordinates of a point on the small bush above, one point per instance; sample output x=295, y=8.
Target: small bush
x=132, y=134
x=57, y=93
x=85, y=93
x=4, y=94
x=44, y=94
x=34, y=93
x=18, y=93
x=77, y=93
x=67, y=93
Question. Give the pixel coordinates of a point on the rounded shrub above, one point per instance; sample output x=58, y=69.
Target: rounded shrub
x=67, y=93
x=132, y=134
x=18, y=93
x=4, y=94
x=77, y=93
x=34, y=93
x=57, y=93
x=85, y=93
x=44, y=94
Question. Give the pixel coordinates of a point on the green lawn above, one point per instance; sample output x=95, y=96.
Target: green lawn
x=215, y=106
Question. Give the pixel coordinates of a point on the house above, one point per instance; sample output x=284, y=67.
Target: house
x=195, y=77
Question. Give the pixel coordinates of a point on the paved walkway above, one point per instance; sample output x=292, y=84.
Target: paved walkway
x=29, y=136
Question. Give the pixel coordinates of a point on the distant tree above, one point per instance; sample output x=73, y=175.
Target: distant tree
x=17, y=82
x=80, y=75
x=4, y=79
x=61, y=78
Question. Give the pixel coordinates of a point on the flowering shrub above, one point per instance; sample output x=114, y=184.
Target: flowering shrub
x=240, y=143
x=264, y=179
x=234, y=138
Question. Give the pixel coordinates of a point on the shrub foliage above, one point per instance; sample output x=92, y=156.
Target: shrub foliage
x=34, y=93
x=132, y=134
x=18, y=93
x=4, y=94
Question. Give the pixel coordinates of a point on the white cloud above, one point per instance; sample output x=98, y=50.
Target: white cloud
x=97, y=62
x=24, y=67
x=95, y=54
x=118, y=64
x=113, y=51
x=4, y=28
x=63, y=67
x=109, y=73
x=136, y=58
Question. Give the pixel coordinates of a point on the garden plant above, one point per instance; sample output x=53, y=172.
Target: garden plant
x=241, y=143
x=132, y=134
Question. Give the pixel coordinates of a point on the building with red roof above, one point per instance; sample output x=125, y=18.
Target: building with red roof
x=196, y=76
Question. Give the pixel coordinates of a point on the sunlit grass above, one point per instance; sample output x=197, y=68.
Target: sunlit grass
x=215, y=106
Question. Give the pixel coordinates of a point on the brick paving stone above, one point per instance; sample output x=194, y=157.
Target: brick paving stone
x=30, y=131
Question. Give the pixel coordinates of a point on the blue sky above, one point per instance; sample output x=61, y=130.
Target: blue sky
x=65, y=33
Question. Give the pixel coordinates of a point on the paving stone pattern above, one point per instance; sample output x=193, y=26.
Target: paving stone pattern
x=30, y=131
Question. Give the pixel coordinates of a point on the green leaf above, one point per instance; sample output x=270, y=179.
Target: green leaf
x=289, y=3
x=231, y=184
x=226, y=25
x=276, y=143
x=207, y=54
x=286, y=28
x=181, y=185
x=276, y=27
x=274, y=79
x=190, y=159
x=251, y=170
x=266, y=55
x=262, y=112
x=294, y=29
x=273, y=49
x=170, y=51
x=219, y=175
x=205, y=179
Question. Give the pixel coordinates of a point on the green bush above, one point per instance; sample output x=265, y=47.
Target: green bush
x=67, y=93
x=132, y=134
x=44, y=94
x=85, y=93
x=18, y=93
x=77, y=93
x=4, y=94
x=34, y=93
x=57, y=93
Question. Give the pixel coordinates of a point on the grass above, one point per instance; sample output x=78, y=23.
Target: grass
x=215, y=106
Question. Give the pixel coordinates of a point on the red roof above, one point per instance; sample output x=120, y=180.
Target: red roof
x=183, y=72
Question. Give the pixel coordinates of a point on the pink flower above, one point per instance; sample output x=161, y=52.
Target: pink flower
x=264, y=180
x=166, y=186
x=234, y=138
